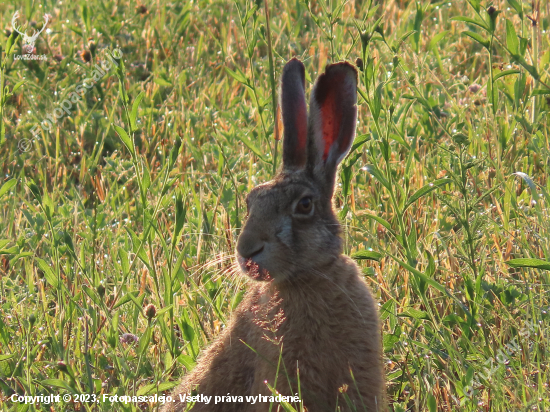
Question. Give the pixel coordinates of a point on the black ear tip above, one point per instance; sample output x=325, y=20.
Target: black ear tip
x=341, y=67
x=292, y=71
x=340, y=77
x=294, y=64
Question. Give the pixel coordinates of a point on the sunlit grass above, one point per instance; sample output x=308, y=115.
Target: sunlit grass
x=92, y=234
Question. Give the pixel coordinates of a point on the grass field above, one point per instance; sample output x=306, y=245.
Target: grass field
x=134, y=197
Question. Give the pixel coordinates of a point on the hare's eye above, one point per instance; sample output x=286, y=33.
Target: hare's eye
x=304, y=206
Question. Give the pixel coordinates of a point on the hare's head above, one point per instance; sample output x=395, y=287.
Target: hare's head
x=291, y=230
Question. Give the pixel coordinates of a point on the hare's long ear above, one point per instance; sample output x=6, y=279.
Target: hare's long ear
x=332, y=117
x=293, y=103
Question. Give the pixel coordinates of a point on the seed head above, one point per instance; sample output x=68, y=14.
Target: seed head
x=86, y=56
x=101, y=290
x=474, y=88
x=365, y=39
x=150, y=311
x=493, y=13
x=141, y=9
x=62, y=366
x=461, y=139
x=92, y=46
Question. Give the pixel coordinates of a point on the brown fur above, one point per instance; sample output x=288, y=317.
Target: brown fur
x=307, y=310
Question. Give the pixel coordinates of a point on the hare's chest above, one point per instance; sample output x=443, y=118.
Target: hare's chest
x=302, y=343
x=305, y=328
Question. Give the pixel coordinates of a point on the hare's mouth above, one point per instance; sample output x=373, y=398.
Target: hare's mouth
x=253, y=269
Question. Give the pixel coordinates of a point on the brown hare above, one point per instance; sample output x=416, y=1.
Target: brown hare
x=308, y=322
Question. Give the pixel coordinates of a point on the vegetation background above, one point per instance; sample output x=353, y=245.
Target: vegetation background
x=136, y=197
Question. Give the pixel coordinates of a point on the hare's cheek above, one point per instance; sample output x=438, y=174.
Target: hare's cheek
x=285, y=234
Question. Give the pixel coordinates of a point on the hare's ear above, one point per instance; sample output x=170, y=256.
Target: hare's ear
x=332, y=117
x=293, y=103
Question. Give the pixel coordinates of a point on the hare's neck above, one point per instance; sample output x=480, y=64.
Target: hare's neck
x=318, y=287
x=314, y=308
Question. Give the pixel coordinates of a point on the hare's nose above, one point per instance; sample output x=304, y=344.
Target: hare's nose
x=249, y=254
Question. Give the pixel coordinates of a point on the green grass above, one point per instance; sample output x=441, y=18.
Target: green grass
x=447, y=182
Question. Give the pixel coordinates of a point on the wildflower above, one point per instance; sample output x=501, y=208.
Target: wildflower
x=128, y=338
